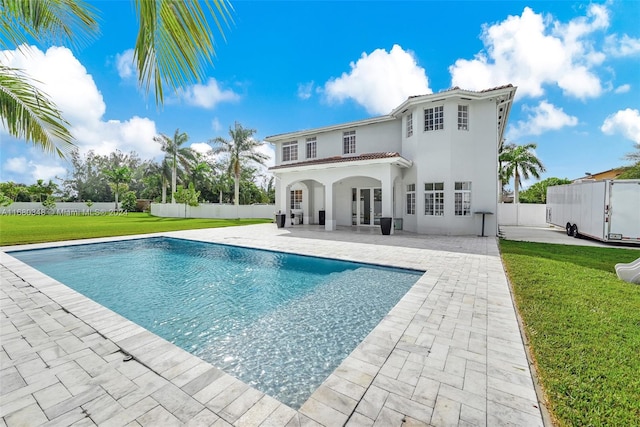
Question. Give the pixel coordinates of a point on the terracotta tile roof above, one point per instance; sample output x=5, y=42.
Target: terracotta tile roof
x=340, y=159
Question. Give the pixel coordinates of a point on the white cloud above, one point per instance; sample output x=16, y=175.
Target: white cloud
x=17, y=165
x=532, y=50
x=75, y=93
x=208, y=95
x=63, y=78
x=201, y=147
x=29, y=170
x=380, y=81
x=124, y=64
x=267, y=150
x=305, y=90
x=622, y=46
x=542, y=118
x=216, y=125
x=625, y=122
x=623, y=88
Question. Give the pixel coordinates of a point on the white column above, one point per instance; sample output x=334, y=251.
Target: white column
x=283, y=202
x=386, y=182
x=329, y=221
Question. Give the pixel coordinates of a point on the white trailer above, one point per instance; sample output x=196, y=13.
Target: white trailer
x=606, y=210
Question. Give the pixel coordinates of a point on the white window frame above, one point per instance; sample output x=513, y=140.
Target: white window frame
x=409, y=125
x=463, y=117
x=434, y=118
x=295, y=199
x=434, y=198
x=462, y=198
x=411, y=199
x=290, y=151
x=349, y=142
x=312, y=151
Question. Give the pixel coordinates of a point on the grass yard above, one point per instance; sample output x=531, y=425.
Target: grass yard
x=17, y=230
x=583, y=324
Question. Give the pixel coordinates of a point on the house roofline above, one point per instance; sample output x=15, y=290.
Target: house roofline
x=284, y=137
x=348, y=160
x=454, y=92
x=503, y=94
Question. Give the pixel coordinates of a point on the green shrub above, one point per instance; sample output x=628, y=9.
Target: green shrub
x=129, y=201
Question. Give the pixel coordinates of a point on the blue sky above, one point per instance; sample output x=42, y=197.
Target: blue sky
x=286, y=66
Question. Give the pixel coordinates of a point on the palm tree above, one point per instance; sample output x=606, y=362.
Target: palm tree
x=240, y=148
x=175, y=154
x=200, y=170
x=120, y=175
x=174, y=45
x=517, y=162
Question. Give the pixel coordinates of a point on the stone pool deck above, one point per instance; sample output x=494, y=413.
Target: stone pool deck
x=449, y=353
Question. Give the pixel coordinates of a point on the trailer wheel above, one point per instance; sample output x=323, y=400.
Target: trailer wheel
x=568, y=229
x=574, y=231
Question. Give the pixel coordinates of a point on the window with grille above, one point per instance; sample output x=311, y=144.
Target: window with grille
x=311, y=148
x=462, y=198
x=411, y=199
x=296, y=199
x=434, y=118
x=290, y=151
x=434, y=198
x=463, y=117
x=349, y=142
x=409, y=125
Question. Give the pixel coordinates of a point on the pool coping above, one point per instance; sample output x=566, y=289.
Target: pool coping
x=377, y=382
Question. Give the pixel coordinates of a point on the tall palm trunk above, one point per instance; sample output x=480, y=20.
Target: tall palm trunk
x=236, y=190
x=174, y=174
x=164, y=190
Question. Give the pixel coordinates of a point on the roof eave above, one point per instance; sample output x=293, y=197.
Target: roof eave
x=453, y=93
x=398, y=161
x=284, y=137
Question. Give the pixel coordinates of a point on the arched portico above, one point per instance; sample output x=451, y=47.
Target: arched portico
x=370, y=182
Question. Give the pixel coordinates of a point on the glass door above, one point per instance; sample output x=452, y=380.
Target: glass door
x=367, y=208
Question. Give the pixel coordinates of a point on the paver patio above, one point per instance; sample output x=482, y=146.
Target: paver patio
x=449, y=353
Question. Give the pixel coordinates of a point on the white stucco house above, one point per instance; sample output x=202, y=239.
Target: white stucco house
x=432, y=162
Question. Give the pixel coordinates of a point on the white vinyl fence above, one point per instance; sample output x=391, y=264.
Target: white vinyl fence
x=212, y=210
x=526, y=214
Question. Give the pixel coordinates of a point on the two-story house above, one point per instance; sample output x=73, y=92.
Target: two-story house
x=432, y=162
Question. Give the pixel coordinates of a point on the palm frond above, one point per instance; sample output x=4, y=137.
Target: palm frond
x=175, y=42
x=46, y=21
x=27, y=113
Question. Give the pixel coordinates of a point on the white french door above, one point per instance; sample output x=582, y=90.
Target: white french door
x=367, y=206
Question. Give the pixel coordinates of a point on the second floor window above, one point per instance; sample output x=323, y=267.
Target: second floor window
x=311, y=148
x=434, y=198
x=462, y=195
x=411, y=199
x=349, y=142
x=463, y=117
x=434, y=118
x=409, y=125
x=290, y=151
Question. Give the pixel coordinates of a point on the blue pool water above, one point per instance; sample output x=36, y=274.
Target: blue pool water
x=279, y=322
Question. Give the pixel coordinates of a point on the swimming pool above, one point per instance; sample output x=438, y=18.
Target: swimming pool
x=279, y=322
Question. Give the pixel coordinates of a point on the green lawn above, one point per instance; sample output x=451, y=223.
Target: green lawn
x=16, y=230
x=583, y=324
